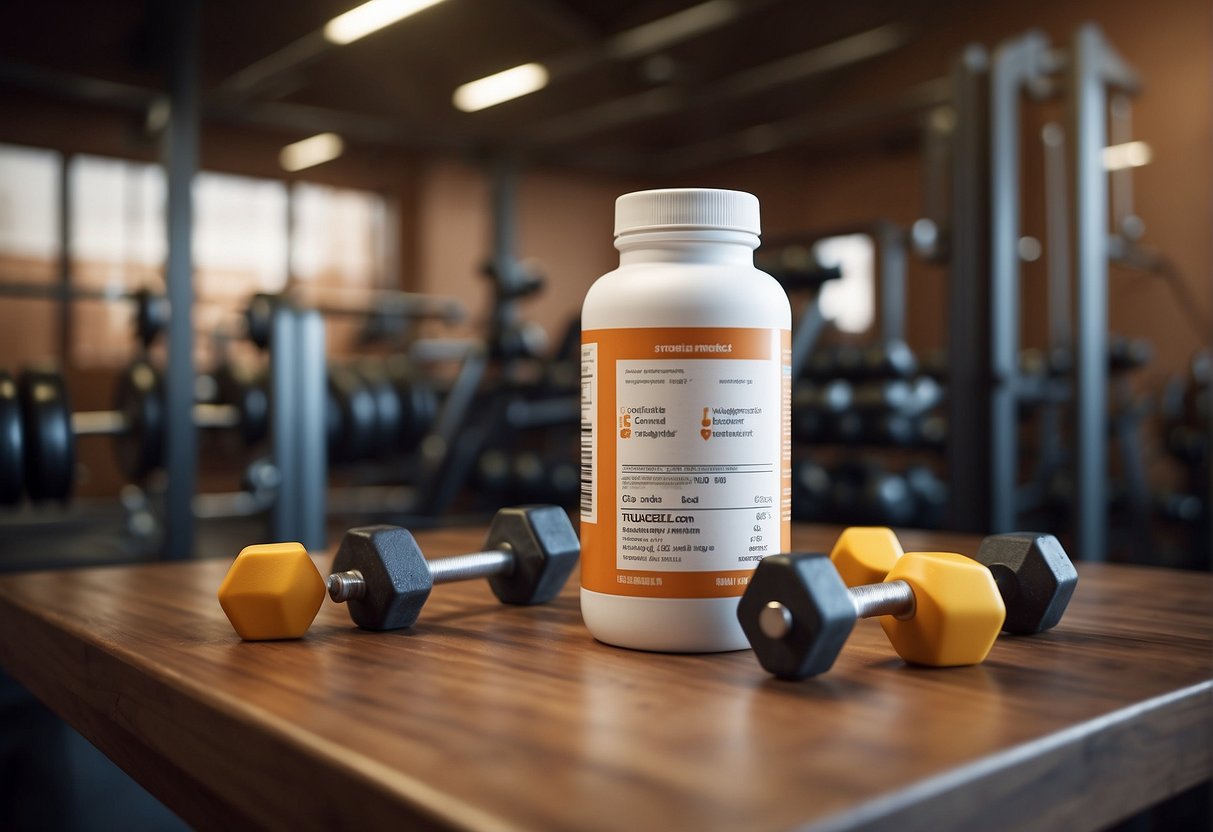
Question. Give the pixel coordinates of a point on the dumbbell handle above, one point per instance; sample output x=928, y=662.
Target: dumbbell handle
x=351, y=585
x=894, y=598
x=116, y=423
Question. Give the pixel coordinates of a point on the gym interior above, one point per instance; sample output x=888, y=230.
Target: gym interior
x=280, y=273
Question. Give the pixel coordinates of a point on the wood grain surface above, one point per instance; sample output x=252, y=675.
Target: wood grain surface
x=492, y=717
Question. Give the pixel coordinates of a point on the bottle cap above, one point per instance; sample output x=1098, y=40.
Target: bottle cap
x=686, y=208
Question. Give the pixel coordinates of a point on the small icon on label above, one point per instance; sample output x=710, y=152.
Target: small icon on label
x=625, y=427
x=626, y=433
x=706, y=433
x=707, y=423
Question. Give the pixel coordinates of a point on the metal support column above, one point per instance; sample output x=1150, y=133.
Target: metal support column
x=893, y=266
x=298, y=424
x=284, y=516
x=181, y=162
x=968, y=460
x=1094, y=67
x=65, y=262
x=1016, y=63
x=508, y=278
x=1057, y=241
x=312, y=452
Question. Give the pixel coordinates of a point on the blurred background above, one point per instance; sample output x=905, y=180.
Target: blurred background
x=270, y=270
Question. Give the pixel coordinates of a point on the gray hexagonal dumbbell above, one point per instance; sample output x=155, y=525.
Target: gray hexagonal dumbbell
x=383, y=576
x=808, y=588
x=1034, y=575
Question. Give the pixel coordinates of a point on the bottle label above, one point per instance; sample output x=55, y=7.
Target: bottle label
x=686, y=458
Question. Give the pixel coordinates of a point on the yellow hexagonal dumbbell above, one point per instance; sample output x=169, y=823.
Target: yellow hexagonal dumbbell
x=958, y=611
x=272, y=591
x=1032, y=570
x=865, y=554
x=937, y=609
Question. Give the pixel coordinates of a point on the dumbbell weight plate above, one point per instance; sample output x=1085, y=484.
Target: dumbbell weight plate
x=564, y=480
x=810, y=490
x=890, y=359
x=12, y=452
x=886, y=499
x=46, y=418
x=418, y=409
x=493, y=472
x=387, y=408
x=352, y=418
x=527, y=475
x=246, y=391
x=140, y=397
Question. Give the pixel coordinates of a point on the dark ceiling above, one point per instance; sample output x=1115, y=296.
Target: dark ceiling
x=609, y=102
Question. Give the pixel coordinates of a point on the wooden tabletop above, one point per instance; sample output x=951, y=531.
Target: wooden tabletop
x=492, y=717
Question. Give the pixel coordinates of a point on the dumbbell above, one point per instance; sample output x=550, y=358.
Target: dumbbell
x=810, y=490
x=273, y=591
x=930, y=496
x=50, y=427
x=835, y=361
x=12, y=442
x=528, y=475
x=564, y=480
x=373, y=411
x=937, y=608
x=1035, y=577
x=862, y=491
x=248, y=392
x=351, y=416
x=889, y=359
x=493, y=472
x=815, y=406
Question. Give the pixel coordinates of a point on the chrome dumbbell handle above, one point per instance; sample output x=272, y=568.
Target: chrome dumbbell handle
x=894, y=598
x=351, y=585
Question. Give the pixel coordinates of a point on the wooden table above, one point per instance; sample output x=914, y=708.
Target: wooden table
x=490, y=717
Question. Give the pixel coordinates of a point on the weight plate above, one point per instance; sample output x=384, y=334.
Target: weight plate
x=50, y=445
x=387, y=408
x=140, y=397
x=12, y=452
x=418, y=410
x=352, y=418
x=247, y=391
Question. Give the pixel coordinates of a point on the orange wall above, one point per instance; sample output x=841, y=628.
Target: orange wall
x=564, y=227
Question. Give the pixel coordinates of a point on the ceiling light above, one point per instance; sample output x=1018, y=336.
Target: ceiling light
x=360, y=21
x=307, y=153
x=494, y=89
x=674, y=28
x=1127, y=155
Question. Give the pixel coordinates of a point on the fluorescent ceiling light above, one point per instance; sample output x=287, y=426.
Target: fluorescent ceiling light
x=307, y=153
x=1127, y=155
x=673, y=28
x=372, y=16
x=494, y=89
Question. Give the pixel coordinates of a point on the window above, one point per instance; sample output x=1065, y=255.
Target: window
x=29, y=213
x=242, y=243
x=29, y=250
x=339, y=237
x=850, y=300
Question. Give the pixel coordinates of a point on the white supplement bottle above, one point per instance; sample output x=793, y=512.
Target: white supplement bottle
x=685, y=432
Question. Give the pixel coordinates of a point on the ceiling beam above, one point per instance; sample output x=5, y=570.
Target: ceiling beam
x=670, y=99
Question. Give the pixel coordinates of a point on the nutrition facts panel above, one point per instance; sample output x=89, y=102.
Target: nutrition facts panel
x=721, y=513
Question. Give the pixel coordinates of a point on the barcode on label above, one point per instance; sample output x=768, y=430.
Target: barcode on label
x=589, y=430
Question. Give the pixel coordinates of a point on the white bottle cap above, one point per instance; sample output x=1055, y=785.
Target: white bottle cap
x=686, y=208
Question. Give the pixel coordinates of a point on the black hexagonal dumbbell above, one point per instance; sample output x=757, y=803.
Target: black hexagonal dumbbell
x=381, y=573
x=1034, y=575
